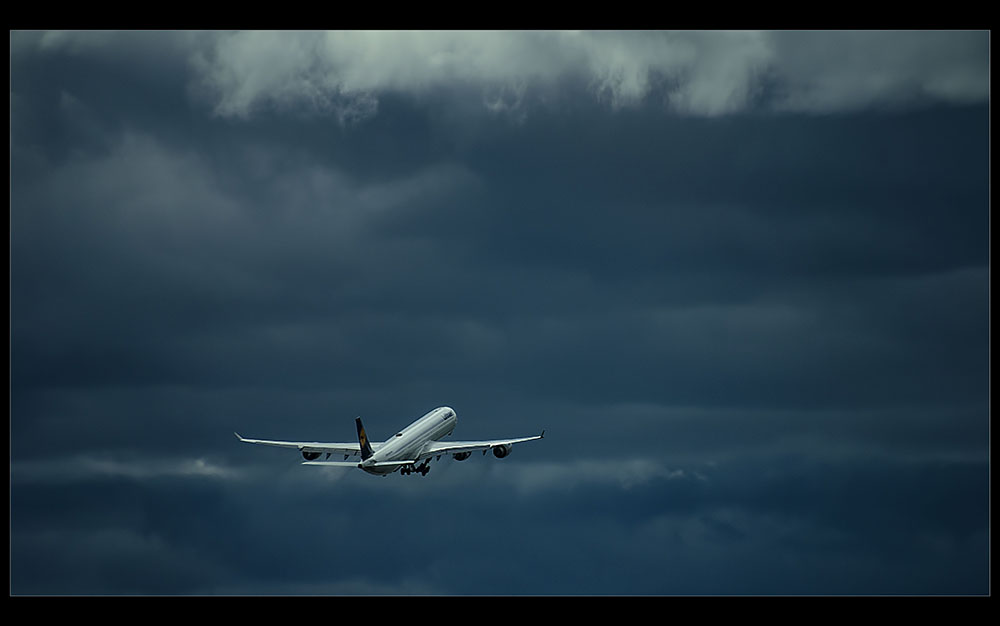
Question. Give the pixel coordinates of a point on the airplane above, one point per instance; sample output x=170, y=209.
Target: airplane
x=417, y=443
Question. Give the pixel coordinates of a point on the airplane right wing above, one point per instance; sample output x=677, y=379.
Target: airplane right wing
x=459, y=447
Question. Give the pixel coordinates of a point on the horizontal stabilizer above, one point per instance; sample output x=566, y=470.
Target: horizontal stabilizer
x=334, y=463
x=356, y=464
x=393, y=463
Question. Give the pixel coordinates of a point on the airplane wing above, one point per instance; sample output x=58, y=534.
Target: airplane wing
x=347, y=448
x=435, y=448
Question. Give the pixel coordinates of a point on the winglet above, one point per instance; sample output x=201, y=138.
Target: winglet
x=543, y=434
x=238, y=435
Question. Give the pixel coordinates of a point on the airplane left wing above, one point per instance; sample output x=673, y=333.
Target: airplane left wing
x=350, y=449
x=435, y=448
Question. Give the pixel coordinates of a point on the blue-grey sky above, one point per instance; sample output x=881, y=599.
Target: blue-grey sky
x=740, y=278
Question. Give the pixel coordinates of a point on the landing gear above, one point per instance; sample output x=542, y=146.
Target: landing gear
x=421, y=469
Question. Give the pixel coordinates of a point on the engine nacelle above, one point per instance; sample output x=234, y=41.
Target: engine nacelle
x=461, y=456
x=310, y=456
x=502, y=450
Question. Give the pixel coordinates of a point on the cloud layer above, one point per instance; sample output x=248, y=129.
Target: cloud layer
x=701, y=73
x=740, y=279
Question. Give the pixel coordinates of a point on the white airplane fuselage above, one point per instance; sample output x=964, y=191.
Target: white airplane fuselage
x=410, y=450
x=410, y=442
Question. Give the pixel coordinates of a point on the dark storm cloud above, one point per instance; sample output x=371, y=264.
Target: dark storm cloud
x=745, y=527
x=757, y=337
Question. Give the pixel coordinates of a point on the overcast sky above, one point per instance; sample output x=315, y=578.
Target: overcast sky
x=741, y=279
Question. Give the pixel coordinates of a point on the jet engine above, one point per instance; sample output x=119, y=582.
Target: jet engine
x=310, y=456
x=461, y=456
x=501, y=451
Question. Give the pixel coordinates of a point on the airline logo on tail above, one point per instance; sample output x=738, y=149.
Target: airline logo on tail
x=366, y=448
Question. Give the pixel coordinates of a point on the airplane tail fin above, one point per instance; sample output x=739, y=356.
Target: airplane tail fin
x=366, y=448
